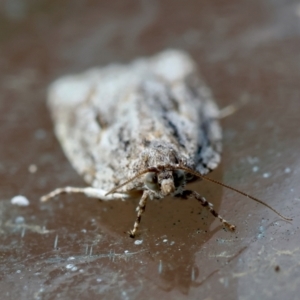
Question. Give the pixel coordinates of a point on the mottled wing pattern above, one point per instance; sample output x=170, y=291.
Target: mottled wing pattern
x=193, y=96
x=78, y=126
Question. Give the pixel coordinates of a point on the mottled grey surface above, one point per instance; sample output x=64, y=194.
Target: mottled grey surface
x=76, y=248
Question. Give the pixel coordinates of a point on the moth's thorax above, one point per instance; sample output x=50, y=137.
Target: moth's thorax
x=160, y=153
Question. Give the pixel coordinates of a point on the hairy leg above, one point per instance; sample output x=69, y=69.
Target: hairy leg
x=140, y=209
x=88, y=191
x=207, y=205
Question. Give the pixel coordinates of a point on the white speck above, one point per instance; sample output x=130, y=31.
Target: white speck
x=172, y=243
x=20, y=200
x=71, y=258
x=74, y=269
x=83, y=230
x=287, y=170
x=160, y=267
x=126, y=251
x=224, y=281
x=81, y=270
x=70, y=266
x=266, y=175
x=32, y=168
x=99, y=280
x=138, y=242
x=193, y=275
x=55, y=242
x=165, y=240
x=18, y=271
x=19, y=220
x=255, y=168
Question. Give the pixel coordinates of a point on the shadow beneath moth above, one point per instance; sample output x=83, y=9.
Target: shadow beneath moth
x=149, y=126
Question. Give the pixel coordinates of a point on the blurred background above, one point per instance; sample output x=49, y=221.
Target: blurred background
x=76, y=248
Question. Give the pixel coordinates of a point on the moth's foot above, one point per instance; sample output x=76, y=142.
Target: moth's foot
x=44, y=198
x=50, y=195
x=131, y=233
x=58, y=191
x=232, y=227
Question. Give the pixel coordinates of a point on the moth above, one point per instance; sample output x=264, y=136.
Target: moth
x=151, y=126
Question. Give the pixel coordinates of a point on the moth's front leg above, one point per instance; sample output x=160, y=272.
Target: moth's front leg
x=88, y=191
x=140, y=209
x=207, y=205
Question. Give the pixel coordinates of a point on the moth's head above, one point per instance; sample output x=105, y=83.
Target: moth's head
x=165, y=182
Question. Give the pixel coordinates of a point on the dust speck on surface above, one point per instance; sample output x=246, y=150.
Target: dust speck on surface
x=266, y=175
x=138, y=242
x=70, y=266
x=19, y=220
x=20, y=200
x=32, y=168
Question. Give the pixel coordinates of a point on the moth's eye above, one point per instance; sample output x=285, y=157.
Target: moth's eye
x=179, y=178
x=151, y=181
x=151, y=178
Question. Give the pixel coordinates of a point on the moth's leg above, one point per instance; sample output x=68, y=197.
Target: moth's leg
x=140, y=209
x=232, y=108
x=88, y=191
x=207, y=205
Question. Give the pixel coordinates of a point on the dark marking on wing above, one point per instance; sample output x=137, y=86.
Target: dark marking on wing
x=175, y=131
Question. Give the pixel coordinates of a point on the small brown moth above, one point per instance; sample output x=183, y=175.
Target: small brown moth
x=150, y=126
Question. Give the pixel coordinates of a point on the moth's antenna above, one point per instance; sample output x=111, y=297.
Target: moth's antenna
x=233, y=189
x=195, y=173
